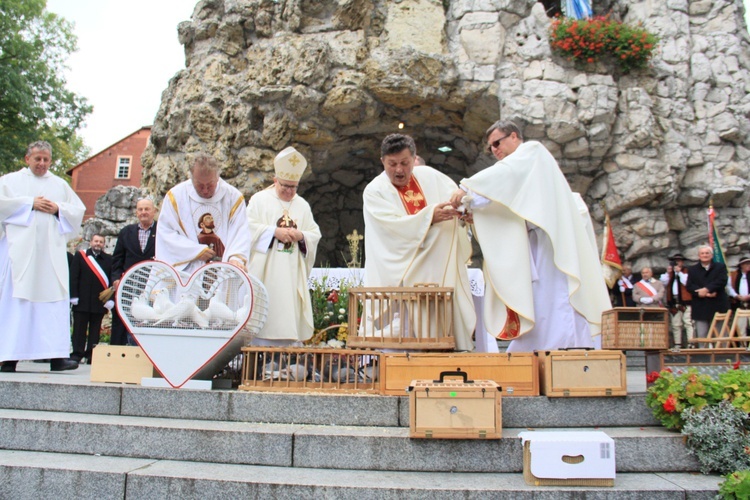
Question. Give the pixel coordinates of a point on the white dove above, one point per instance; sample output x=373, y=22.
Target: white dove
x=140, y=310
x=184, y=309
x=241, y=314
x=218, y=310
x=162, y=302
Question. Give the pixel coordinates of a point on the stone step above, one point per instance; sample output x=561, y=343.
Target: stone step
x=638, y=449
x=315, y=409
x=32, y=475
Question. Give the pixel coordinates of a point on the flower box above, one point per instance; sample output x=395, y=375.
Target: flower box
x=310, y=369
x=635, y=328
x=419, y=317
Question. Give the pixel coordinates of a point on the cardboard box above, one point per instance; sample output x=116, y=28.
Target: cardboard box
x=635, y=328
x=120, y=363
x=582, y=373
x=568, y=458
x=516, y=373
x=455, y=409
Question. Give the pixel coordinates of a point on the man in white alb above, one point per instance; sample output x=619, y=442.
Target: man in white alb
x=284, y=243
x=544, y=287
x=178, y=241
x=39, y=214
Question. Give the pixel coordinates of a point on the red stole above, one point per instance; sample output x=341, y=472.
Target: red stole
x=412, y=196
x=512, y=326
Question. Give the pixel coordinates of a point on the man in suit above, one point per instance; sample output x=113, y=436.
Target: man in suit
x=135, y=243
x=621, y=293
x=707, y=281
x=648, y=291
x=89, y=276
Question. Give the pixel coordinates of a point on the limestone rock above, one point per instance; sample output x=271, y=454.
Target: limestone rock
x=333, y=77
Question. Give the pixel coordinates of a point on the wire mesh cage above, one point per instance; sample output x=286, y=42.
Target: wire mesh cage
x=192, y=329
x=310, y=369
x=418, y=317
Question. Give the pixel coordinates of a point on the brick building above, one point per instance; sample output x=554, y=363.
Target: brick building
x=117, y=165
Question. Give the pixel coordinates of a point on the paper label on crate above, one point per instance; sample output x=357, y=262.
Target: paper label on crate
x=571, y=455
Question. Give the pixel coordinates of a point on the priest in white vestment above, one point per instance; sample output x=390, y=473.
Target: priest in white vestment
x=413, y=235
x=544, y=287
x=284, y=243
x=178, y=241
x=39, y=214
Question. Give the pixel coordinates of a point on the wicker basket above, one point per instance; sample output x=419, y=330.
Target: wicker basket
x=635, y=328
x=418, y=317
x=310, y=369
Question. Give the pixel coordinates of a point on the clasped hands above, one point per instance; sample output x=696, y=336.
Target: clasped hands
x=704, y=293
x=288, y=235
x=42, y=204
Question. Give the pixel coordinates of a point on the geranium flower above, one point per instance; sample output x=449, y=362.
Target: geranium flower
x=670, y=404
x=736, y=365
x=652, y=377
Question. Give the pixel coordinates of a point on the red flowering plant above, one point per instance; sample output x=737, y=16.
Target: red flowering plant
x=601, y=38
x=670, y=394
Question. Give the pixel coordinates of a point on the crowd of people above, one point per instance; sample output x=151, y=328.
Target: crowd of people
x=543, y=283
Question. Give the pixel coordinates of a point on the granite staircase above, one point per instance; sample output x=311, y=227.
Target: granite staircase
x=64, y=437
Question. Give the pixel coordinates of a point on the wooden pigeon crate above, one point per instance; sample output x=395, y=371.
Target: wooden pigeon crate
x=306, y=369
x=635, y=328
x=418, y=317
x=712, y=362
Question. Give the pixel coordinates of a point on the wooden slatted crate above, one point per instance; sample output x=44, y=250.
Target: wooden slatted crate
x=310, y=369
x=582, y=373
x=707, y=361
x=517, y=373
x=635, y=328
x=419, y=317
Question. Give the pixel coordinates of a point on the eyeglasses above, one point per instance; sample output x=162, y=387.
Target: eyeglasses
x=495, y=144
x=291, y=187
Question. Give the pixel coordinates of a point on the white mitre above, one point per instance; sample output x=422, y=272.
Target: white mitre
x=289, y=165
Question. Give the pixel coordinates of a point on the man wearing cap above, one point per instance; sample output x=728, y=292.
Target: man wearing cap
x=282, y=252
x=739, y=291
x=183, y=216
x=413, y=235
x=678, y=299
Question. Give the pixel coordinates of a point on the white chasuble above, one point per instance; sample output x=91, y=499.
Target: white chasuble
x=403, y=249
x=283, y=269
x=34, y=274
x=177, y=240
x=540, y=254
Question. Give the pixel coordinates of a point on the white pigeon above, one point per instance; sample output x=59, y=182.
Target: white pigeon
x=240, y=316
x=218, y=310
x=162, y=302
x=185, y=309
x=391, y=330
x=141, y=311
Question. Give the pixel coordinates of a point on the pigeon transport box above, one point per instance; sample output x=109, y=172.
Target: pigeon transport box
x=517, y=373
x=635, y=328
x=582, y=373
x=120, y=363
x=412, y=317
x=568, y=458
x=450, y=408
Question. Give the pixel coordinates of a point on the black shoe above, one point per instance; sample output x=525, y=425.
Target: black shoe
x=62, y=364
x=8, y=366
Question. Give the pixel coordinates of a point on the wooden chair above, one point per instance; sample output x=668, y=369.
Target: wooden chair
x=739, y=338
x=717, y=336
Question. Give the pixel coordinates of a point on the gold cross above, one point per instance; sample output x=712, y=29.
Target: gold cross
x=355, y=236
x=294, y=160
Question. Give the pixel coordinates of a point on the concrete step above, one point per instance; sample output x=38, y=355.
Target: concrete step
x=638, y=449
x=32, y=475
x=315, y=409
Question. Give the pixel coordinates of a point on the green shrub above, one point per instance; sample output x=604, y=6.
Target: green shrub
x=718, y=437
x=735, y=486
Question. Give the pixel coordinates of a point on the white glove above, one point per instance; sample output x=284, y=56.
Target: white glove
x=622, y=289
x=647, y=300
x=109, y=305
x=74, y=301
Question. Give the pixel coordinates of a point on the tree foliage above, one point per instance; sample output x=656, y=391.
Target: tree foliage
x=34, y=103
